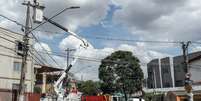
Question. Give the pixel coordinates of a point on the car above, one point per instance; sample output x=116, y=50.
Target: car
x=136, y=99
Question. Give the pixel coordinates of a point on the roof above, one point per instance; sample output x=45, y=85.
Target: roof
x=47, y=69
x=191, y=56
x=195, y=56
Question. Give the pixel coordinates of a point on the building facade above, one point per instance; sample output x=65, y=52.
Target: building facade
x=154, y=74
x=171, y=71
x=10, y=62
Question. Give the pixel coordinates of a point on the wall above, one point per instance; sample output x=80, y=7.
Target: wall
x=195, y=70
x=166, y=72
x=154, y=77
x=8, y=76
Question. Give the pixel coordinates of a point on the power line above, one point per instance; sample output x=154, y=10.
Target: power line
x=8, y=40
x=131, y=40
x=37, y=52
x=45, y=50
x=53, y=17
x=124, y=40
x=97, y=37
x=36, y=58
x=14, y=21
x=8, y=48
x=31, y=33
x=9, y=36
x=39, y=56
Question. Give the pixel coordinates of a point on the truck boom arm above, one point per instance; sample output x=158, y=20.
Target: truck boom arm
x=83, y=45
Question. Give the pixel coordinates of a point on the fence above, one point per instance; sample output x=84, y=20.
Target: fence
x=11, y=95
x=95, y=98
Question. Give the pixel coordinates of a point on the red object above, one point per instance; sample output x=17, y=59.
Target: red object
x=32, y=97
x=95, y=98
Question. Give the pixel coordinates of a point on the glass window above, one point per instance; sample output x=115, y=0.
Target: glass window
x=17, y=66
x=19, y=46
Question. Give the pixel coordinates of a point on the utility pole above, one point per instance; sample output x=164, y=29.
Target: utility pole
x=25, y=53
x=26, y=46
x=187, y=81
x=185, y=55
x=68, y=50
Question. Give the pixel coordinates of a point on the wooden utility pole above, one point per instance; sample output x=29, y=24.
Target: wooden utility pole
x=187, y=81
x=26, y=45
x=68, y=50
x=185, y=55
x=25, y=53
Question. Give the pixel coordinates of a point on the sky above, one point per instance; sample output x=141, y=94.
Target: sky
x=145, y=20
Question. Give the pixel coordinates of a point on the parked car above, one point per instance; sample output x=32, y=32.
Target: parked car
x=136, y=99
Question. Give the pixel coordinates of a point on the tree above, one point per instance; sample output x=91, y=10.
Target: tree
x=121, y=72
x=88, y=87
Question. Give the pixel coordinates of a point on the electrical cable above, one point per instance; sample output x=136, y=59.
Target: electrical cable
x=45, y=50
x=51, y=18
x=8, y=48
x=13, y=37
x=8, y=40
x=34, y=56
x=30, y=31
x=97, y=37
x=41, y=57
x=12, y=20
x=125, y=40
x=9, y=35
x=39, y=63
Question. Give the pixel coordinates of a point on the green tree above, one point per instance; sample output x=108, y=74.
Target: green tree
x=121, y=72
x=88, y=87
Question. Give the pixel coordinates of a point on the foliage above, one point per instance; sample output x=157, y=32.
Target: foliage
x=121, y=72
x=37, y=90
x=153, y=96
x=88, y=87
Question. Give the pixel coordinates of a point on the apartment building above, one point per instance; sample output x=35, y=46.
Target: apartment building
x=169, y=71
x=10, y=63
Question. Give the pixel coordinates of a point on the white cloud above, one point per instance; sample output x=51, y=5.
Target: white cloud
x=196, y=48
x=89, y=61
x=42, y=52
x=91, y=12
x=161, y=19
x=42, y=47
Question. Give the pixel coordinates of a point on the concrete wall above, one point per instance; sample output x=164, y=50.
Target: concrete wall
x=8, y=76
x=195, y=70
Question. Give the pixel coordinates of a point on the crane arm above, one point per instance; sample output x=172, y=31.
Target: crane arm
x=66, y=30
x=83, y=45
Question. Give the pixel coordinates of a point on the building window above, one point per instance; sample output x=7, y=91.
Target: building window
x=17, y=66
x=16, y=86
x=165, y=70
x=19, y=46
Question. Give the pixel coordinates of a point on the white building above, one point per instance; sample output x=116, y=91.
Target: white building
x=167, y=74
x=10, y=63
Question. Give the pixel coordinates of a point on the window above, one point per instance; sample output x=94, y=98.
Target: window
x=165, y=70
x=19, y=46
x=17, y=66
x=15, y=86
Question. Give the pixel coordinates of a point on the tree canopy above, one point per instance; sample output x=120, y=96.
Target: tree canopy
x=88, y=87
x=121, y=72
